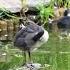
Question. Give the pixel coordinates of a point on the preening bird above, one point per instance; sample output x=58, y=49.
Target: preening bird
x=30, y=37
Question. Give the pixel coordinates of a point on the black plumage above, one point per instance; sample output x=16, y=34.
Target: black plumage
x=63, y=23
